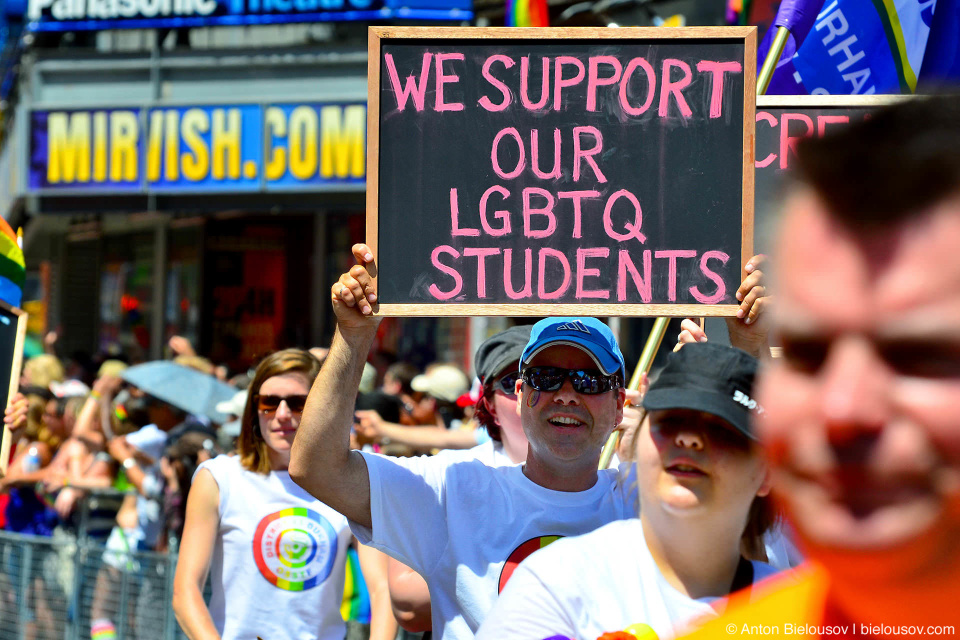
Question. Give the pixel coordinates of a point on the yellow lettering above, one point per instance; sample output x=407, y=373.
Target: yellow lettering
x=124, y=131
x=197, y=162
x=68, y=147
x=275, y=124
x=154, y=140
x=172, y=145
x=303, y=142
x=226, y=142
x=100, y=146
x=342, y=141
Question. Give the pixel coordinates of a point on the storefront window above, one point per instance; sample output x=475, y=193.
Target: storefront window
x=126, y=294
x=181, y=308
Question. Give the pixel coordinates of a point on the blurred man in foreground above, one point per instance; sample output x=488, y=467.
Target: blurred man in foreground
x=862, y=422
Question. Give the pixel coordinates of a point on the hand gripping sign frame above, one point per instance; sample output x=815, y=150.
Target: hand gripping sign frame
x=13, y=332
x=392, y=82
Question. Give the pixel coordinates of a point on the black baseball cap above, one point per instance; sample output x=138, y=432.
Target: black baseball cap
x=500, y=350
x=711, y=378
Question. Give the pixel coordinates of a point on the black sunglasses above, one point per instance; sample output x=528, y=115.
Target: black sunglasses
x=270, y=404
x=508, y=383
x=586, y=381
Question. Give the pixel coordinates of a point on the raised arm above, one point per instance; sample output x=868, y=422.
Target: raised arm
x=321, y=460
x=420, y=438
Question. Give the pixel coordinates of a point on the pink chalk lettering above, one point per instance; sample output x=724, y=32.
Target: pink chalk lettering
x=625, y=85
x=718, y=69
x=766, y=117
x=633, y=230
x=495, y=160
x=674, y=87
x=535, y=155
x=824, y=120
x=788, y=143
x=576, y=196
x=455, y=218
x=446, y=78
x=410, y=88
x=560, y=82
x=543, y=254
x=643, y=284
x=717, y=280
x=544, y=84
x=580, y=153
x=672, y=255
x=500, y=213
x=527, y=291
x=481, y=255
x=594, y=81
x=529, y=211
x=583, y=272
x=485, y=102
x=450, y=271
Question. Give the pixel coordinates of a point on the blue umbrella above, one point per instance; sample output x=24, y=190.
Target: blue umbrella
x=184, y=388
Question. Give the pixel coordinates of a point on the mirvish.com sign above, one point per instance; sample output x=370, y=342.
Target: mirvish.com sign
x=210, y=148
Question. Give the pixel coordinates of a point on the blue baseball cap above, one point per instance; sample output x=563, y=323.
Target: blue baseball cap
x=587, y=334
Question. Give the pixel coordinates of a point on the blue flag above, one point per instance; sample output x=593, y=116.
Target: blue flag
x=860, y=47
x=941, y=61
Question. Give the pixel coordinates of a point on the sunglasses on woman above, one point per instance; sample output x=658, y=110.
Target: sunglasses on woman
x=508, y=383
x=586, y=381
x=270, y=404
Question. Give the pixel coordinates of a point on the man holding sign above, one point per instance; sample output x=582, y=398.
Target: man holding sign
x=464, y=526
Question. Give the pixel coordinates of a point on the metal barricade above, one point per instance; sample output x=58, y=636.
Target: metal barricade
x=56, y=588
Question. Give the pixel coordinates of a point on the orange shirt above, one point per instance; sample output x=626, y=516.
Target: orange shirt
x=798, y=606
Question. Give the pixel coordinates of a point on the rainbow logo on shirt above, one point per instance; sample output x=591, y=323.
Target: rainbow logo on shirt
x=520, y=554
x=295, y=548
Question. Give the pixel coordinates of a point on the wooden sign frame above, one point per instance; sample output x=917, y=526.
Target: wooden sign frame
x=377, y=36
x=6, y=438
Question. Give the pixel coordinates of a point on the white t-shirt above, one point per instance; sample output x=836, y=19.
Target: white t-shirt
x=278, y=566
x=597, y=583
x=464, y=526
x=151, y=441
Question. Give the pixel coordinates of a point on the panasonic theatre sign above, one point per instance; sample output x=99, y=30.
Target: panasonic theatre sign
x=88, y=15
x=39, y=11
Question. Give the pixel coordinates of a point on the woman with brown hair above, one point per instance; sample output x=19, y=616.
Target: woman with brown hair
x=276, y=553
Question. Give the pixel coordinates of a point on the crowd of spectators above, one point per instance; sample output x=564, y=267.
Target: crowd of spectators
x=97, y=458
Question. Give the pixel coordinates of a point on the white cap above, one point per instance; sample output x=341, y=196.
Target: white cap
x=235, y=405
x=443, y=382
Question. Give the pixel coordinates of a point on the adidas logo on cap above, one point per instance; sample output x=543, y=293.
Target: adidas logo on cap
x=574, y=326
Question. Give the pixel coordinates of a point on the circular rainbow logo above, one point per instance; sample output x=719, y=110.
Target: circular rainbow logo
x=520, y=554
x=295, y=548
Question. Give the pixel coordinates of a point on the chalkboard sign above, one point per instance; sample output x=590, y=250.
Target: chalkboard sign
x=13, y=331
x=548, y=171
x=782, y=121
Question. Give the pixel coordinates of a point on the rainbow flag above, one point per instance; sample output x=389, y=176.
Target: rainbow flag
x=356, y=597
x=12, y=267
x=527, y=13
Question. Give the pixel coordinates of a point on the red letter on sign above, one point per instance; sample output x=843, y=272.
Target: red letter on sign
x=450, y=271
x=669, y=87
x=410, y=88
x=443, y=78
x=717, y=69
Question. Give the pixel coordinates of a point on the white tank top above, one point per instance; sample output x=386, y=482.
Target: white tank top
x=278, y=566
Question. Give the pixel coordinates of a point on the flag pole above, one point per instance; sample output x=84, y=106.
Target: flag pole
x=773, y=56
x=643, y=366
